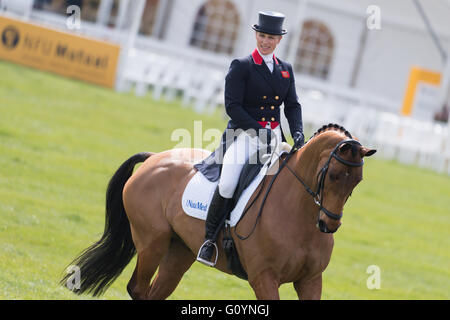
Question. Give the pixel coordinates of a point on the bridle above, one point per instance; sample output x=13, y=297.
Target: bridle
x=318, y=194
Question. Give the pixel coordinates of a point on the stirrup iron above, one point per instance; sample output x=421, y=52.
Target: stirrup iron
x=206, y=262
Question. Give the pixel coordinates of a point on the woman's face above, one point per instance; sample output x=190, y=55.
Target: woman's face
x=267, y=43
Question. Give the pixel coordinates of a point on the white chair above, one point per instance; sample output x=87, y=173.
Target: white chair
x=440, y=158
x=204, y=84
x=18, y=7
x=154, y=70
x=219, y=97
x=314, y=111
x=168, y=77
x=135, y=68
x=181, y=82
x=361, y=122
x=410, y=138
x=192, y=89
x=212, y=88
x=387, y=135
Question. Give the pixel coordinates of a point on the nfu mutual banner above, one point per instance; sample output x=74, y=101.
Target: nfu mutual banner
x=63, y=53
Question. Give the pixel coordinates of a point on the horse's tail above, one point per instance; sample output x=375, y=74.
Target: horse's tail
x=100, y=264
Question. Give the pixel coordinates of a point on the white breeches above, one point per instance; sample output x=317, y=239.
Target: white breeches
x=243, y=148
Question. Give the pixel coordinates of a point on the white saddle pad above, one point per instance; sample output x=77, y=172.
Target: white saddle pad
x=199, y=191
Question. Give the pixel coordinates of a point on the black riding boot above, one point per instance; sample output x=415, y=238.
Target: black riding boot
x=216, y=217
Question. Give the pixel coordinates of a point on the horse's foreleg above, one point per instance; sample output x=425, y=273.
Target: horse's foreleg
x=175, y=263
x=309, y=290
x=265, y=285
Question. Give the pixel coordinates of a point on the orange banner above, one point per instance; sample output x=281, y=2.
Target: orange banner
x=59, y=52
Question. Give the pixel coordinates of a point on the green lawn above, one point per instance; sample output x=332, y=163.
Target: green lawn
x=61, y=140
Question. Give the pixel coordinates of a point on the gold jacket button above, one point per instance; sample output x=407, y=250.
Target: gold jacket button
x=277, y=97
x=272, y=119
x=272, y=107
x=264, y=97
x=263, y=119
x=262, y=108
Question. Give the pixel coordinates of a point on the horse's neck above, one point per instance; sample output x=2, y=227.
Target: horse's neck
x=308, y=158
x=306, y=164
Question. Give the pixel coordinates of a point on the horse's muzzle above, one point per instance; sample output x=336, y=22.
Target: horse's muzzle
x=322, y=226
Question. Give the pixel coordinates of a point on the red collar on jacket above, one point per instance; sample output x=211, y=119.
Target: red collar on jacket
x=258, y=59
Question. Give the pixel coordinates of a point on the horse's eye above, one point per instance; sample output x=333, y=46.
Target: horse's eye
x=334, y=176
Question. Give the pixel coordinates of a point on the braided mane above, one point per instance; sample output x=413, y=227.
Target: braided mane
x=332, y=126
x=336, y=127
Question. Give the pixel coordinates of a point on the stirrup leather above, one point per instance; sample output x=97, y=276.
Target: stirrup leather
x=206, y=262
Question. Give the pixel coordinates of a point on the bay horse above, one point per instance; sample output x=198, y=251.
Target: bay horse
x=292, y=242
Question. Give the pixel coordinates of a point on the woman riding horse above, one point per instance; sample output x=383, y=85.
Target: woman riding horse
x=293, y=240
x=255, y=87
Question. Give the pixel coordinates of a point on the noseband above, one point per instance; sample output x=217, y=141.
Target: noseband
x=318, y=194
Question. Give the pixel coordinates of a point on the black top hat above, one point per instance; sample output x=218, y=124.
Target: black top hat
x=270, y=22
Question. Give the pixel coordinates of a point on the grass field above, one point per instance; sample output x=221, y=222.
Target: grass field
x=61, y=140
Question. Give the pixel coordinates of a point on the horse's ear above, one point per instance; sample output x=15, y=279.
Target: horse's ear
x=365, y=152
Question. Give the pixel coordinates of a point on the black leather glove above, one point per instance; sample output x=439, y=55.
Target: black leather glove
x=299, y=139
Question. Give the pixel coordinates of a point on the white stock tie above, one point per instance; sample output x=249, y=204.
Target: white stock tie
x=268, y=59
x=269, y=63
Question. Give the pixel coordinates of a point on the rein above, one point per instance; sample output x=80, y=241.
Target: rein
x=316, y=195
x=293, y=150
